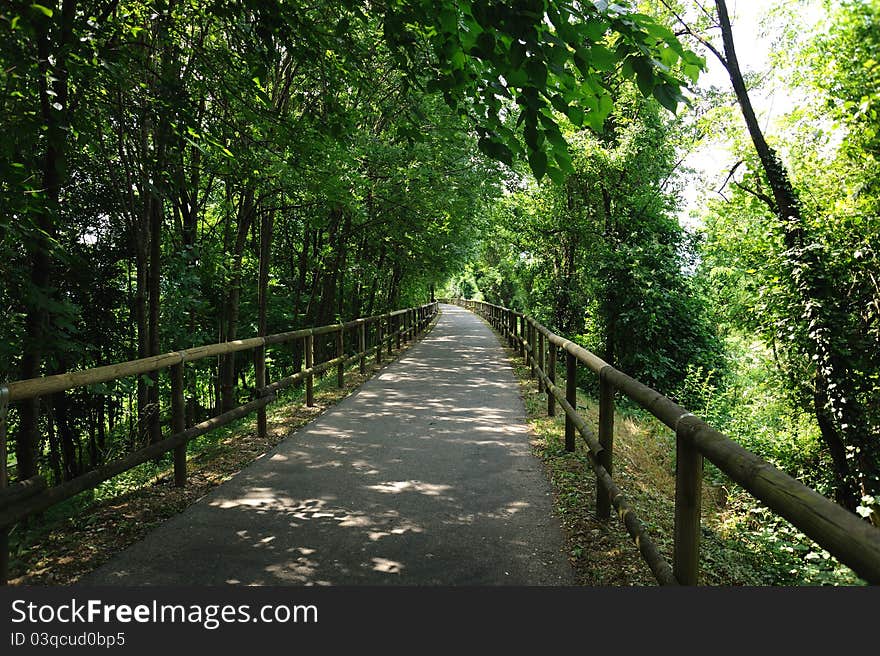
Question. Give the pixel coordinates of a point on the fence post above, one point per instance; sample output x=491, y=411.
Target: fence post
x=401, y=329
x=178, y=420
x=688, y=492
x=541, y=371
x=362, y=346
x=4, y=481
x=379, y=340
x=310, y=362
x=571, y=397
x=260, y=382
x=532, y=348
x=390, y=334
x=511, y=329
x=606, y=441
x=340, y=353
x=522, y=336
x=551, y=374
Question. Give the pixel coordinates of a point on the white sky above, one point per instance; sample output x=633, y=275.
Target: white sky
x=753, y=41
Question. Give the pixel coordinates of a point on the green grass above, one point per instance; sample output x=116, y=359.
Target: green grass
x=742, y=542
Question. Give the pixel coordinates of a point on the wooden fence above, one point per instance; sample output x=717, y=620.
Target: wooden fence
x=30, y=496
x=851, y=540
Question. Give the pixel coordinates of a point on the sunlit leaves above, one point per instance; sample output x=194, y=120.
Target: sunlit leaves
x=43, y=10
x=543, y=55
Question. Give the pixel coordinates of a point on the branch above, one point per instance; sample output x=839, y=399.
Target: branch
x=729, y=176
x=687, y=30
x=707, y=13
x=767, y=200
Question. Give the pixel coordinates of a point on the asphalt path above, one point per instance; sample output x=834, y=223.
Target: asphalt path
x=423, y=476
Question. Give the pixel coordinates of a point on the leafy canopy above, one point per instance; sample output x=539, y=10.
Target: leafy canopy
x=540, y=59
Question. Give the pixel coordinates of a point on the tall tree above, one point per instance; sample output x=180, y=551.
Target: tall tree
x=816, y=320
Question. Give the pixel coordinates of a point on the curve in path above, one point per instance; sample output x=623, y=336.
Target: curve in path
x=423, y=476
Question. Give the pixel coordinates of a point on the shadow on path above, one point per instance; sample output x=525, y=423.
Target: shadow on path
x=422, y=477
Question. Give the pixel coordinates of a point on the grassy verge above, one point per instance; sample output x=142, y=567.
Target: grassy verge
x=80, y=534
x=742, y=543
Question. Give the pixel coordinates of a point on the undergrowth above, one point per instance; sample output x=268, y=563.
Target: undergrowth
x=76, y=536
x=742, y=542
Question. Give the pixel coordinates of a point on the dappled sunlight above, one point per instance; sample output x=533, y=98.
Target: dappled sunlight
x=387, y=566
x=260, y=496
x=396, y=487
x=422, y=476
x=398, y=530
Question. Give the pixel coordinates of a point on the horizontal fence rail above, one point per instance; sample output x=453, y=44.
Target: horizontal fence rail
x=853, y=541
x=24, y=498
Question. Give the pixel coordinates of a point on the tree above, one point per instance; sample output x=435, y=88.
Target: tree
x=188, y=136
x=545, y=57
x=602, y=258
x=822, y=327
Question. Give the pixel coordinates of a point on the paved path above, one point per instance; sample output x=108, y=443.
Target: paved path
x=421, y=477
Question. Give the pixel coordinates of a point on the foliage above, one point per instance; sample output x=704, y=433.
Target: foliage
x=552, y=59
x=811, y=294
x=149, y=146
x=602, y=258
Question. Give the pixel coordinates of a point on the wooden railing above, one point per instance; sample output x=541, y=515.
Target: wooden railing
x=853, y=541
x=24, y=498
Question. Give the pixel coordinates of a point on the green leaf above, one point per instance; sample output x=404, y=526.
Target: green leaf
x=602, y=58
x=537, y=73
x=555, y=175
x=448, y=20
x=692, y=72
x=517, y=54
x=554, y=136
x=665, y=98
x=44, y=10
x=644, y=75
x=660, y=31
x=563, y=159
x=538, y=163
x=485, y=45
x=606, y=104
x=495, y=150
x=581, y=60
x=559, y=103
x=595, y=28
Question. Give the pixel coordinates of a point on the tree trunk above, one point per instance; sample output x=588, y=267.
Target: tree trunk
x=331, y=265
x=371, y=303
x=67, y=436
x=267, y=222
x=154, y=342
x=140, y=312
x=841, y=418
x=227, y=375
x=52, y=65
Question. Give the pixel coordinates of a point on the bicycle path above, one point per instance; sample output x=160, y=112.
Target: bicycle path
x=424, y=476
